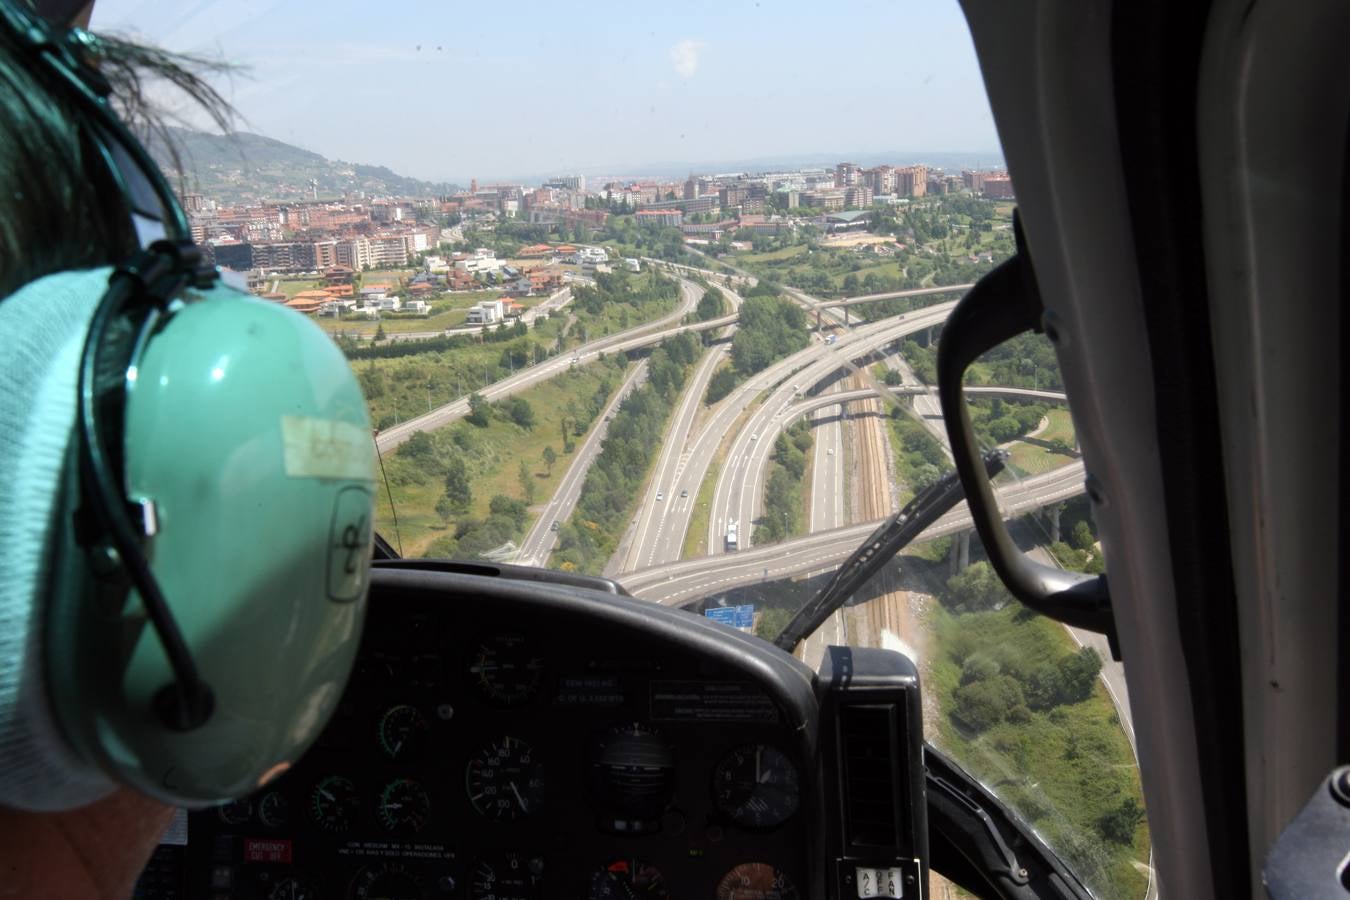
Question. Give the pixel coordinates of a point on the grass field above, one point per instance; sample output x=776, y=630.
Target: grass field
x=772, y=256
x=291, y=287
x=1062, y=769
x=1032, y=457
x=498, y=450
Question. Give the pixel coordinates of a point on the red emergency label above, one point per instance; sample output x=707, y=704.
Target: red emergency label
x=259, y=850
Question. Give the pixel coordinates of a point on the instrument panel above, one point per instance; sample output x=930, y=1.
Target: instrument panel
x=530, y=742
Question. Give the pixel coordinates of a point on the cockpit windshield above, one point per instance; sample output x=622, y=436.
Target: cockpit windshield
x=655, y=294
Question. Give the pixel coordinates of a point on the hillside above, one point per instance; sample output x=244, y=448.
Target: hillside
x=246, y=167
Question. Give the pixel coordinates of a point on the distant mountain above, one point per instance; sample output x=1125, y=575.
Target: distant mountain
x=249, y=167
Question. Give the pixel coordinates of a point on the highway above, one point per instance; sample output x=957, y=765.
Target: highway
x=676, y=584
x=738, y=496
x=541, y=539
x=643, y=335
x=651, y=538
x=827, y=466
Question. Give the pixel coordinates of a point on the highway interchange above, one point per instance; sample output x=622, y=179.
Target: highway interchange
x=742, y=429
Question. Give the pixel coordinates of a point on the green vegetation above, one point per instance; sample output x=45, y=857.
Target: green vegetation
x=1050, y=449
x=613, y=486
x=1023, y=710
x=443, y=482
x=783, y=513
x=723, y=382
x=712, y=305
x=404, y=379
x=940, y=240
x=771, y=621
x=770, y=328
x=998, y=421
x=696, y=538
x=919, y=457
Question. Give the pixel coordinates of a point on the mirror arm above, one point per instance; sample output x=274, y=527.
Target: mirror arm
x=1003, y=304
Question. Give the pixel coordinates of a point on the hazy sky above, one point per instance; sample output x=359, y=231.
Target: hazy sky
x=445, y=90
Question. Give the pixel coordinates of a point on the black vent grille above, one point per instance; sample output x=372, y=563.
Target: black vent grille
x=867, y=736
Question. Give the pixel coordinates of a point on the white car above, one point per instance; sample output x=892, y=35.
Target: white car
x=660, y=495
x=829, y=451
x=754, y=437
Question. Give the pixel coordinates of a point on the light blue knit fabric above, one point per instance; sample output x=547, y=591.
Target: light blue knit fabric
x=42, y=329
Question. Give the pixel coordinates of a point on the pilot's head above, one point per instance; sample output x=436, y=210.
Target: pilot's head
x=185, y=505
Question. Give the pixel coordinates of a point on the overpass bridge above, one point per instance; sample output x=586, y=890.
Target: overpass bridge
x=685, y=582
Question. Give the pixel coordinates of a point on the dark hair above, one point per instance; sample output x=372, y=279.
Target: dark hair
x=60, y=207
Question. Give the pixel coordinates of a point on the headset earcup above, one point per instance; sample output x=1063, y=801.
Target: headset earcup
x=246, y=430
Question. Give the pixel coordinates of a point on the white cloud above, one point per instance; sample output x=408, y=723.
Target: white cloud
x=684, y=56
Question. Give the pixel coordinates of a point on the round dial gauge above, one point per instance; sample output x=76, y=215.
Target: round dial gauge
x=504, y=780
x=334, y=803
x=506, y=669
x=401, y=731
x=756, y=881
x=628, y=879
x=632, y=777
x=756, y=786
x=508, y=876
x=274, y=810
x=236, y=812
x=404, y=805
x=391, y=881
x=292, y=888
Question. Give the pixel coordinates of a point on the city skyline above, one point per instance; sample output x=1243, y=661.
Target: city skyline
x=521, y=94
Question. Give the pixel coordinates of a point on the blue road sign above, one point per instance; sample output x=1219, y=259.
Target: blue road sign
x=745, y=615
x=724, y=614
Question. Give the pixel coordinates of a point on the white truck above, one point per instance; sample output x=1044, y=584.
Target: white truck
x=731, y=535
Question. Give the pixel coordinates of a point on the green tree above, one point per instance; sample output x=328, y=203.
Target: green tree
x=976, y=588
x=550, y=457
x=711, y=305
x=721, y=384
x=1119, y=823
x=479, y=409
x=458, y=490
x=419, y=447
x=1082, y=537
x=984, y=703
x=527, y=486
x=445, y=509
x=379, y=332
x=521, y=412
x=1079, y=672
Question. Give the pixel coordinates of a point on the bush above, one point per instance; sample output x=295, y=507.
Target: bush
x=978, y=667
x=983, y=704
x=976, y=588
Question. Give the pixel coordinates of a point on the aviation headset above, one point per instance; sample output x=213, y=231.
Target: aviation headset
x=208, y=521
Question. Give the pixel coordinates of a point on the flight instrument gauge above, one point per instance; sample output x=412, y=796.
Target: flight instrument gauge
x=506, y=669
x=292, y=888
x=401, y=731
x=756, y=881
x=756, y=786
x=404, y=805
x=628, y=879
x=236, y=812
x=504, y=780
x=334, y=803
x=274, y=810
x=389, y=881
x=632, y=777
x=507, y=876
